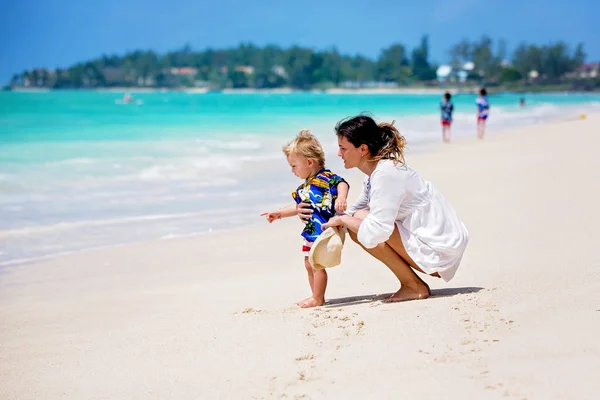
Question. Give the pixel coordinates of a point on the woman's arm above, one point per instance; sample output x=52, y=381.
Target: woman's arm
x=386, y=197
x=350, y=222
x=362, y=202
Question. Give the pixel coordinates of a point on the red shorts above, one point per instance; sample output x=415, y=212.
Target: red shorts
x=480, y=118
x=306, y=247
x=445, y=122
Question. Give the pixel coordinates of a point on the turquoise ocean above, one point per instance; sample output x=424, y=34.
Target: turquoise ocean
x=83, y=169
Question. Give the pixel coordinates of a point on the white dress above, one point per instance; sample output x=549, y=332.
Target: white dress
x=431, y=232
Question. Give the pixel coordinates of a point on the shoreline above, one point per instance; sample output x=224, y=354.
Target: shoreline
x=286, y=90
x=422, y=148
x=417, y=149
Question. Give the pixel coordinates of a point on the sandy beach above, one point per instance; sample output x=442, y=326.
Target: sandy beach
x=214, y=316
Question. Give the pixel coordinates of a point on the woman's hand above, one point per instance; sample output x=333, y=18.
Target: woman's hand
x=304, y=212
x=333, y=222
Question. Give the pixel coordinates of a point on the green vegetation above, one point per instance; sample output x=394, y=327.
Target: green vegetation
x=249, y=66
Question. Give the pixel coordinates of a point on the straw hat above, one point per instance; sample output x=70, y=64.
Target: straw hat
x=326, y=251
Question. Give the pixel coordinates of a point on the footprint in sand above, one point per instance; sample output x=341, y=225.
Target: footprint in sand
x=347, y=323
x=306, y=357
x=249, y=311
x=317, y=324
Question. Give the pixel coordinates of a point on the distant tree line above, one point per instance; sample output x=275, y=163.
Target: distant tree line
x=549, y=62
x=250, y=66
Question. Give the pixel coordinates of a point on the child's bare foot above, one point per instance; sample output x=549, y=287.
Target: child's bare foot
x=311, y=302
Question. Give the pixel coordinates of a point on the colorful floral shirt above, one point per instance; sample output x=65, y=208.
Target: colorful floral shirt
x=321, y=192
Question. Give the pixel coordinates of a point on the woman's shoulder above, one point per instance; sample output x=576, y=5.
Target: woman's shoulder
x=389, y=170
x=385, y=167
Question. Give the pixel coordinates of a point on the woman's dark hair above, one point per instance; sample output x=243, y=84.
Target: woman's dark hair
x=483, y=92
x=447, y=96
x=383, y=140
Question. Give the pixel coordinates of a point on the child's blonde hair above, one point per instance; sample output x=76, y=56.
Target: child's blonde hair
x=306, y=144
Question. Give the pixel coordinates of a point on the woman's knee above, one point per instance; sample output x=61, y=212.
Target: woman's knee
x=361, y=214
x=381, y=246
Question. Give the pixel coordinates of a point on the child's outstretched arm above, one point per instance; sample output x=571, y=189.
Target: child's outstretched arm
x=287, y=211
x=341, y=202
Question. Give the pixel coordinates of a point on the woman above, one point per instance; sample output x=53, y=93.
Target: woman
x=399, y=218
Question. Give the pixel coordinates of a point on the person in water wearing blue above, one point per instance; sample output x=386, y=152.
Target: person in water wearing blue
x=326, y=193
x=483, y=109
x=446, y=107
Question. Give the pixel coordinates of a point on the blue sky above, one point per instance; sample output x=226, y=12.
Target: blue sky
x=58, y=33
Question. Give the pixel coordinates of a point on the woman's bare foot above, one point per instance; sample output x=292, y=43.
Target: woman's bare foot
x=405, y=294
x=417, y=292
x=303, y=301
x=311, y=302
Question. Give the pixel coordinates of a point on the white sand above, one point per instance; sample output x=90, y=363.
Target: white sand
x=214, y=316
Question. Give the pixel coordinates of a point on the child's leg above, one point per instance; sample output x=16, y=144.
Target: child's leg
x=310, y=273
x=318, y=283
x=309, y=270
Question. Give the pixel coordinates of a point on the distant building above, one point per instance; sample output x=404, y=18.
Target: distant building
x=279, y=71
x=443, y=72
x=589, y=70
x=184, y=71
x=585, y=71
x=246, y=69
